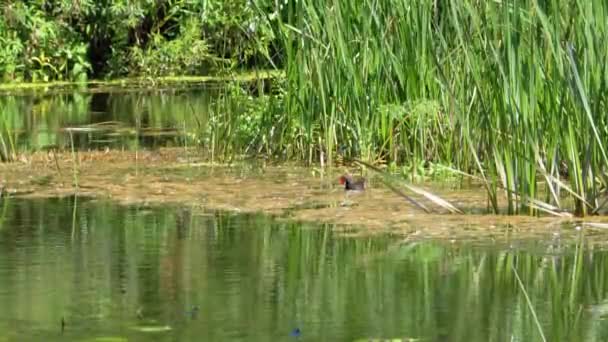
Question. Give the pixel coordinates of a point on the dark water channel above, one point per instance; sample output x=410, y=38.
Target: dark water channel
x=115, y=273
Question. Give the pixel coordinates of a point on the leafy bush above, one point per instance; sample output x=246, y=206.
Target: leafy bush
x=186, y=54
x=62, y=39
x=38, y=48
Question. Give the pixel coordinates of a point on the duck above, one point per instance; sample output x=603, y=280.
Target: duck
x=352, y=185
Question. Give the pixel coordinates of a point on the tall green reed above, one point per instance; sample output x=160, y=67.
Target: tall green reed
x=514, y=91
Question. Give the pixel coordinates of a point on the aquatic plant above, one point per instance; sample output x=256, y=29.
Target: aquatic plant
x=512, y=92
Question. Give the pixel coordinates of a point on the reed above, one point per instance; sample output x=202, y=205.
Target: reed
x=512, y=91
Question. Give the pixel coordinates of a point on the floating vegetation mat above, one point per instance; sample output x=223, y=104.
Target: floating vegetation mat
x=176, y=176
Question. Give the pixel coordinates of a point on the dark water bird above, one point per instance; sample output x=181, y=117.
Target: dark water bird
x=295, y=332
x=351, y=184
x=351, y=187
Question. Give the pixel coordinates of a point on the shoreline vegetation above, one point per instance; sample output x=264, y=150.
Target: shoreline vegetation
x=246, y=76
x=510, y=94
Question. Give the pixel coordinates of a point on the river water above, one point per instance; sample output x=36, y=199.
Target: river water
x=135, y=273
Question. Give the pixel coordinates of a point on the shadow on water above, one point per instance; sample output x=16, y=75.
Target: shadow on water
x=118, y=273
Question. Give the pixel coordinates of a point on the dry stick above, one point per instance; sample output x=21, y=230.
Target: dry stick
x=599, y=207
x=531, y=201
x=411, y=200
x=74, y=163
x=73, y=233
x=56, y=161
x=4, y=153
x=395, y=190
x=75, y=184
x=431, y=197
x=186, y=143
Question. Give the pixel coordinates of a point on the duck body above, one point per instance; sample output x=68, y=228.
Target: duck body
x=351, y=184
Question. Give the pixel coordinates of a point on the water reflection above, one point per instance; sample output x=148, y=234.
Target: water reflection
x=166, y=274
x=114, y=119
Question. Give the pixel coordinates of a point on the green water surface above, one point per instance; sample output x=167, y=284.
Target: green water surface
x=120, y=117
x=117, y=273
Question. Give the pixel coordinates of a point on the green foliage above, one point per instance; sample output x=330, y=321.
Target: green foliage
x=11, y=50
x=37, y=48
x=241, y=121
x=186, y=54
x=236, y=29
x=70, y=40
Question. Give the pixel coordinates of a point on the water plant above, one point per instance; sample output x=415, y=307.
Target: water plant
x=512, y=92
